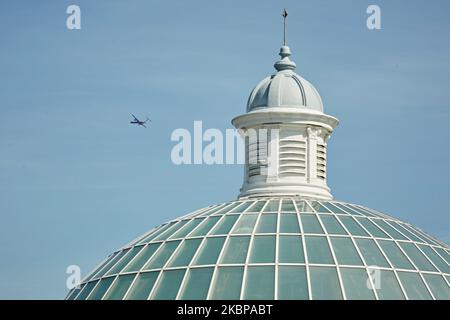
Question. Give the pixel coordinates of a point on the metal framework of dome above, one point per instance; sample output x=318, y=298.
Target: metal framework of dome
x=284, y=237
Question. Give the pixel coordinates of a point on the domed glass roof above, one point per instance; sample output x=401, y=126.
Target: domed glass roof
x=276, y=248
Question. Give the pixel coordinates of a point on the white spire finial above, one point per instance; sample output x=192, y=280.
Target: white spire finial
x=285, y=14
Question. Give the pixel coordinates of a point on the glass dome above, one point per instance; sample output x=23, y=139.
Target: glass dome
x=275, y=248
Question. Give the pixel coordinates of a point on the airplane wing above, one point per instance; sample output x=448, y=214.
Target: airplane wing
x=143, y=125
x=136, y=119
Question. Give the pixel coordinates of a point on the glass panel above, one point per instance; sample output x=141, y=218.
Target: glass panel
x=125, y=260
x=227, y=285
x=349, y=209
x=142, y=286
x=389, y=288
x=157, y=232
x=302, y=206
x=291, y=250
x=272, y=206
x=257, y=206
x=374, y=230
x=107, y=261
x=197, y=284
x=74, y=293
x=444, y=254
x=438, y=286
x=318, y=250
x=395, y=255
x=332, y=225
x=417, y=257
x=210, y=251
x=101, y=288
x=289, y=223
x=437, y=260
x=310, y=223
x=292, y=283
x=86, y=290
x=168, y=285
x=166, y=234
x=352, y=226
x=371, y=254
x=287, y=205
x=120, y=287
x=204, y=228
x=183, y=232
x=185, y=253
x=333, y=208
x=111, y=264
x=414, y=287
x=163, y=254
x=263, y=249
x=260, y=283
x=242, y=207
x=236, y=250
x=267, y=223
x=345, y=251
x=362, y=211
x=318, y=207
x=356, y=284
x=391, y=231
x=245, y=224
x=227, y=209
x=406, y=232
x=325, y=283
x=225, y=225
x=143, y=257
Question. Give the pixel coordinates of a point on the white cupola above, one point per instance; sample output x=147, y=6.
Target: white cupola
x=286, y=135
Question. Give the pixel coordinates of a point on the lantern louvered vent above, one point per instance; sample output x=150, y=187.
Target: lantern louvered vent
x=292, y=157
x=321, y=161
x=257, y=157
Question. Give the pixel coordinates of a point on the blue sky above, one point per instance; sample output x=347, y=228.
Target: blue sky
x=77, y=181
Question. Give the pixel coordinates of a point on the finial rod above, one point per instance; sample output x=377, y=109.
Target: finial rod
x=285, y=14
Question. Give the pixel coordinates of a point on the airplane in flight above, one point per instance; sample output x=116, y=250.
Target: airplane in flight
x=139, y=122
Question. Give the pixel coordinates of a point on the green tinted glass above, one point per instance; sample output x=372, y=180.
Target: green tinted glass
x=389, y=229
x=111, y=263
x=86, y=290
x=389, y=288
x=272, y=206
x=292, y=283
x=310, y=223
x=289, y=223
x=438, y=286
x=187, y=228
x=318, y=207
x=287, y=205
x=227, y=285
x=290, y=250
x=101, y=288
x=120, y=287
x=267, y=223
x=417, y=257
x=332, y=225
x=197, y=284
x=352, y=226
x=168, y=285
x=210, y=251
x=395, y=255
x=373, y=229
x=263, y=249
x=166, y=234
x=245, y=224
x=142, y=286
x=242, y=207
x=371, y=254
x=318, y=250
x=325, y=283
x=356, y=284
x=435, y=258
x=204, y=227
x=260, y=283
x=160, y=258
x=225, y=225
x=185, y=252
x=142, y=258
x=257, y=206
x=236, y=250
x=414, y=287
x=345, y=251
x=125, y=260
